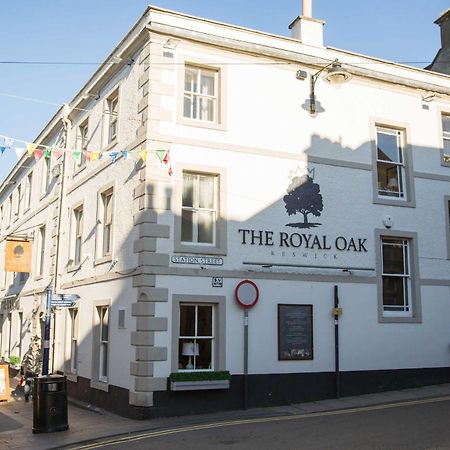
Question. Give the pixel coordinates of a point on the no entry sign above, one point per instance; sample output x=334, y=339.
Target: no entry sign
x=246, y=294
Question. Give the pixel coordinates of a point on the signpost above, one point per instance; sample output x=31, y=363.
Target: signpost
x=55, y=301
x=247, y=295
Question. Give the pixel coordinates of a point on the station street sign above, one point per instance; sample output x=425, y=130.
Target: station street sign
x=64, y=300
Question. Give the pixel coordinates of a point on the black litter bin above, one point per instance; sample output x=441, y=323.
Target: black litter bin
x=50, y=404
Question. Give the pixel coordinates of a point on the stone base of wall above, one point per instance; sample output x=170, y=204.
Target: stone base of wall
x=264, y=390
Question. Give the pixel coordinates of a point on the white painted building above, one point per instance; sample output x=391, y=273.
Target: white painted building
x=354, y=195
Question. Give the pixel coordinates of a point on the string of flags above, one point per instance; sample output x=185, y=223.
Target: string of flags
x=44, y=151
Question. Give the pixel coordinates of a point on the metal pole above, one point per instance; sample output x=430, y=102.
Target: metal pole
x=245, y=358
x=46, y=349
x=336, y=342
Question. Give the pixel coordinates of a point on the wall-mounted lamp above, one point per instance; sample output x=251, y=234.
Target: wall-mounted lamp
x=336, y=76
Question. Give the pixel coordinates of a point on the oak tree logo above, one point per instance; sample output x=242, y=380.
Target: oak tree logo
x=303, y=196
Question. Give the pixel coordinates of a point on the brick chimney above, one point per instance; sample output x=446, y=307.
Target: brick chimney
x=307, y=29
x=441, y=62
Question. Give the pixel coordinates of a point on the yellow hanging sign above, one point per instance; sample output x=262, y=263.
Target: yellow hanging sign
x=18, y=256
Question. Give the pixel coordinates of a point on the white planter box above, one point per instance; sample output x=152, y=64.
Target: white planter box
x=199, y=385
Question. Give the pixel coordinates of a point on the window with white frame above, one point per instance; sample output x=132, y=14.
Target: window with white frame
x=73, y=342
x=103, y=315
x=201, y=94
x=113, y=117
x=46, y=175
x=19, y=201
x=106, y=211
x=41, y=251
x=199, y=210
x=196, y=337
x=446, y=138
x=82, y=143
x=396, y=277
x=391, y=174
x=77, y=234
x=28, y=190
x=10, y=210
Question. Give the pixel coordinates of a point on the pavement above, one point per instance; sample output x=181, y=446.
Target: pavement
x=88, y=423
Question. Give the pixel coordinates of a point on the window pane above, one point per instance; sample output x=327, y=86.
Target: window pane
x=394, y=292
x=206, y=192
x=187, y=226
x=446, y=124
x=203, y=360
x=204, y=326
x=388, y=147
x=393, y=261
x=207, y=83
x=446, y=146
x=389, y=179
x=189, y=80
x=187, y=320
x=187, y=351
x=104, y=361
x=104, y=324
x=188, y=189
x=207, y=109
x=205, y=227
x=187, y=105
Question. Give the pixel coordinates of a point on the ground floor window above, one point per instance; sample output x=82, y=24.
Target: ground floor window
x=73, y=342
x=396, y=277
x=103, y=313
x=196, y=337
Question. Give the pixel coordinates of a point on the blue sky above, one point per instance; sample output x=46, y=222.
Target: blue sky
x=87, y=30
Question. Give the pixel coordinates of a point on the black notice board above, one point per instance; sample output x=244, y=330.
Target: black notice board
x=295, y=332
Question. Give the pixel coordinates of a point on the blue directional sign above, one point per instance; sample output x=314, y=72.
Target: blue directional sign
x=64, y=300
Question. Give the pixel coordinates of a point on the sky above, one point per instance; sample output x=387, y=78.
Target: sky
x=85, y=31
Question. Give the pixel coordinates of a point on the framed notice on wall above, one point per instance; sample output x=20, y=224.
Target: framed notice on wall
x=295, y=332
x=4, y=382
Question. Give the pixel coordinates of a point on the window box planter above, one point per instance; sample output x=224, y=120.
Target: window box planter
x=193, y=381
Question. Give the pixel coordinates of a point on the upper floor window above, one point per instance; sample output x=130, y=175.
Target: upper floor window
x=10, y=210
x=391, y=175
x=201, y=94
x=41, y=251
x=107, y=221
x=446, y=138
x=46, y=175
x=396, y=277
x=113, y=116
x=19, y=201
x=199, y=208
x=77, y=234
x=28, y=190
x=82, y=143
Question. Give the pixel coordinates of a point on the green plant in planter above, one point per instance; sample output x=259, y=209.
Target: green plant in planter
x=14, y=360
x=200, y=376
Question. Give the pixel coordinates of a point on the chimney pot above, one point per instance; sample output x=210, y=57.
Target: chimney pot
x=307, y=8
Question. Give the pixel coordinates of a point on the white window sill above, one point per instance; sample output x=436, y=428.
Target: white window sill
x=201, y=124
x=100, y=385
x=79, y=169
x=111, y=145
x=103, y=260
x=73, y=268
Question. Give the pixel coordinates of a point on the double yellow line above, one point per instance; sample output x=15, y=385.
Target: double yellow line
x=232, y=423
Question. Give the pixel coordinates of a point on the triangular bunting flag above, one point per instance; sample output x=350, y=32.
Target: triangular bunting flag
x=76, y=154
x=57, y=153
x=47, y=153
x=113, y=156
x=95, y=156
x=166, y=158
x=170, y=171
x=143, y=155
x=19, y=151
x=124, y=154
x=31, y=148
x=38, y=153
x=2, y=149
x=161, y=154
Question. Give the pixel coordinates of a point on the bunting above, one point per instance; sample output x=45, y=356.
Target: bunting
x=46, y=151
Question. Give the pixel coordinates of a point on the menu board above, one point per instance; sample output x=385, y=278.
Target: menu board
x=4, y=382
x=295, y=332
